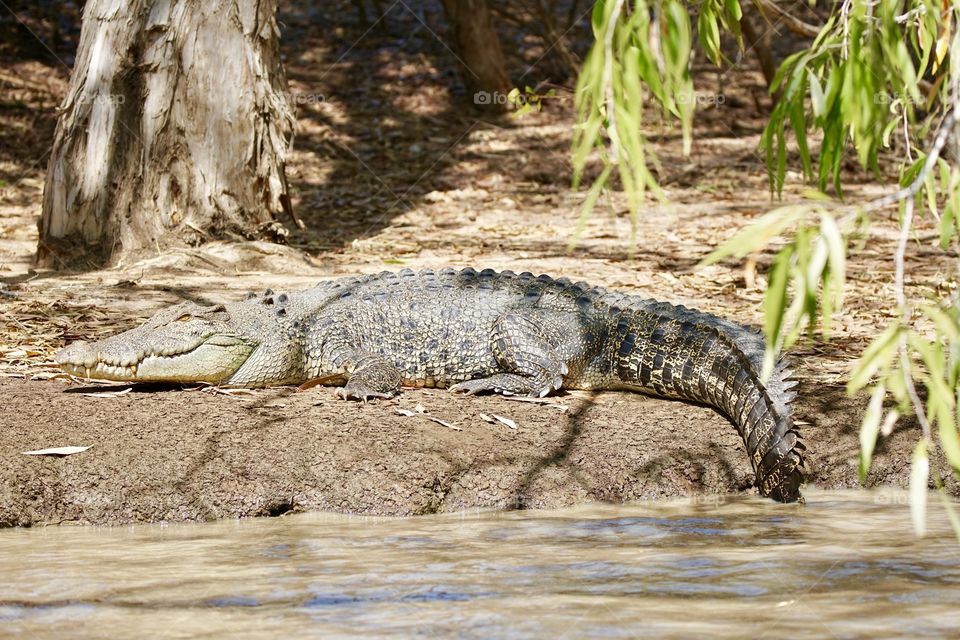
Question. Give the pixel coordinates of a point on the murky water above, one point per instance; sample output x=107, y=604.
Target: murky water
x=844, y=565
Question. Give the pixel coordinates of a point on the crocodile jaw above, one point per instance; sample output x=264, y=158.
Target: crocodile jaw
x=213, y=359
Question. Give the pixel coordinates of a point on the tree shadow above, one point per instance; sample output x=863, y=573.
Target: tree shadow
x=559, y=455
x=36, y=37
x=384, y=122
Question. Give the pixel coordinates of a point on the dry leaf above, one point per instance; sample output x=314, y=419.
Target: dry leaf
x=56, y=451
x=444, y=423
x=108, y=394
x=406, y=412
x=47, y=375
x=217, y=391
x=507, y=421
x=487, y=418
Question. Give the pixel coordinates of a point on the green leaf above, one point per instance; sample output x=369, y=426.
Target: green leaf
x=945, y=324
x=877, y=355
x=930, y=187
x=837, y=251
x=870, y=429
x=951, y=511
x=799, y=124
x=888, y=131
x=947, y=226
x=775, y=306
x=599, y=18
x=589, y=203
x=758, y=234
x=816, y=260
x=785, y=68
x=817, y=99
x=919, y=477
x=950, y=440
x=709, y=32
x=781, y=166
x=585, y=139
x=732, y=14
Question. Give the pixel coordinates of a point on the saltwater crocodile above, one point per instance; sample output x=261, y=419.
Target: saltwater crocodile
x=470, y=331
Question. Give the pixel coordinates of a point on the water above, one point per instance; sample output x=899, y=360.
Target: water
x=844, y=565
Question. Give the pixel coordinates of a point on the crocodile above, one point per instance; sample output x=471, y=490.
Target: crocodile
x=471, y=331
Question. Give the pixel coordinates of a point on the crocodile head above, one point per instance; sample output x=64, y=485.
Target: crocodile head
x=241, y=344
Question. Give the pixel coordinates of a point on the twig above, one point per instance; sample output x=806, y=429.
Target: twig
x=914, y=187
x=791, y=22
x=906, y=137
x=907, y=195
x=901, y=299
x=903, y=18
x=845, y=17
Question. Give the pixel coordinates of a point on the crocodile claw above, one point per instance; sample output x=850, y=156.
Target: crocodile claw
x=473, y=387
x=363, y=395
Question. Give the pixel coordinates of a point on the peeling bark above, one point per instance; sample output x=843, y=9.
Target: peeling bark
x=174, y=130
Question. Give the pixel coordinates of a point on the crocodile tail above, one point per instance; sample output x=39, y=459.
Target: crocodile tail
x=676, y=352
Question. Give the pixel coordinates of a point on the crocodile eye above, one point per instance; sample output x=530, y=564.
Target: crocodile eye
x=185, y=317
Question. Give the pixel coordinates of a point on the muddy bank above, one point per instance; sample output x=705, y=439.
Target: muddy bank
x=171, y=455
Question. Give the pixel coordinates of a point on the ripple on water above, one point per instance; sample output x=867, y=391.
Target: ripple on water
x=741, y=567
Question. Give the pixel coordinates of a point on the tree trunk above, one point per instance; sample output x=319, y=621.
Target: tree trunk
x=174, y=131
x=478, y=47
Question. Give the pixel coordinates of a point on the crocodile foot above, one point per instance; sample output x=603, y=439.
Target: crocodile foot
x=373, y=377
x=510, y=384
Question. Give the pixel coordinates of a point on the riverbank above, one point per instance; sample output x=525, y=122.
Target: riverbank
x=167, y=454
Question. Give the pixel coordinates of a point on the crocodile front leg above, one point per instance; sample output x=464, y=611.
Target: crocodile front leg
x=373, y=377
x=529, y=362
x=335, y=351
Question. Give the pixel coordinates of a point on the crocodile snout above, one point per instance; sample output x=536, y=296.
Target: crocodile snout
x=78, y=354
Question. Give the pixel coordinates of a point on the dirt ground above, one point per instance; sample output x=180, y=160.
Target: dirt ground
x=169, y=455
x=393, y=168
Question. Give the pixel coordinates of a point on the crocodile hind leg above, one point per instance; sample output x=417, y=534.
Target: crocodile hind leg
x=373, y=377
x=528, y=360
